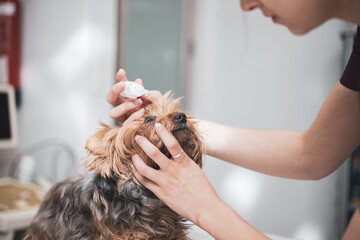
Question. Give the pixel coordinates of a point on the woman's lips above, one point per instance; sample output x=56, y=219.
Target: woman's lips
x=274, y=19
x=267, y=14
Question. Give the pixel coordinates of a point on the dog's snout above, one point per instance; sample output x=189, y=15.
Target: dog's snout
x=180, y=117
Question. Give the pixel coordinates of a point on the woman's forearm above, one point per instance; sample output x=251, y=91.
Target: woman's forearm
x=313, y=154
x=223, y=223
x=277, y=153
x=353, y=231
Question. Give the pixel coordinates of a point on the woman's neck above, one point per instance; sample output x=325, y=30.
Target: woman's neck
x=348, y=10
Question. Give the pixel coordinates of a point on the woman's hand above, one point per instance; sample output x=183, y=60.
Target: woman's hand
x=128, y=109
x=179, y=183
x=183, y=186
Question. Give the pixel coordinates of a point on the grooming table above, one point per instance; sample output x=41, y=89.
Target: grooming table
x=19, y=203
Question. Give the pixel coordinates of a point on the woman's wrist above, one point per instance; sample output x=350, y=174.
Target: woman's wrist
x=223, y=223
x=208, y=216
x=211, y=133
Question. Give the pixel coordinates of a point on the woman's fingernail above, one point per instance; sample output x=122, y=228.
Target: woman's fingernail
x=137, y=137
x=120, y=85
x=138, y=101
x=141, y=111
x=113, y=112
x=132, y=166
x=157, y=125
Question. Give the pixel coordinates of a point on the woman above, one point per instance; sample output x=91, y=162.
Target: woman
x=312, y=154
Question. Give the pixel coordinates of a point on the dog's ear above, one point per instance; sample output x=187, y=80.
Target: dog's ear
x=98, y=146
x=110, y=151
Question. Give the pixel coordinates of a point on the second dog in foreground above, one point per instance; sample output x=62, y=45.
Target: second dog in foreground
x=107, y=202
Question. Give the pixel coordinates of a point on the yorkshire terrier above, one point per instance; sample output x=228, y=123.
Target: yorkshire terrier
x=107, y=202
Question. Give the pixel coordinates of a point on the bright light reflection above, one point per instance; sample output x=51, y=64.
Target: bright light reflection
x=74, y=54
x=309, y=230
x=242, y=188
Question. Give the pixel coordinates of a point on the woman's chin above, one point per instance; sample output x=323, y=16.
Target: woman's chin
x=299, y=31
x=305, y=28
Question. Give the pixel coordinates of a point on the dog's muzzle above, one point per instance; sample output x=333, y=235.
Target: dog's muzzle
x=180, y=121
x=180, y=118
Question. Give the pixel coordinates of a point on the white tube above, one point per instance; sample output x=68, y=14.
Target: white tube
x=133, y=90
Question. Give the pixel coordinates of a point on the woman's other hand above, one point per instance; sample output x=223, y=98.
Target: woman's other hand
x=127, y=109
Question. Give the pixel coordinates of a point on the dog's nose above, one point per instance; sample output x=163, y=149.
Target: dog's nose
x=180, y=117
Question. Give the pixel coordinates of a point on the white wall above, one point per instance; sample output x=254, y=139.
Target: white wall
x=251, y=73
x=68, y=66
x=248, y=73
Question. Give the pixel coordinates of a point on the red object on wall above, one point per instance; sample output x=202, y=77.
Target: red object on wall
x=10, y=46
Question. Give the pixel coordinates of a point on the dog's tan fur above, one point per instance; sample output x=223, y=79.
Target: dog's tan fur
x=108, y=202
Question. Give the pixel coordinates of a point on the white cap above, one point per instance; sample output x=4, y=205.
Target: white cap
x=138, y=90
x=133, y=90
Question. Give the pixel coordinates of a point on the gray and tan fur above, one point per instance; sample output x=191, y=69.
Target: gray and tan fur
x=107, y=202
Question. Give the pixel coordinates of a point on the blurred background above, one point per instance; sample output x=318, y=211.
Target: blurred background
x=232, y=67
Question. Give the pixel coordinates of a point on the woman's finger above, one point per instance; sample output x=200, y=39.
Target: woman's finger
x=145, y=170
x=153, y=152
x=138, y=114
x=151, y=96
x=113, y=96
x=121, y=75
x=139, y=81
x=170, y=142
x=143, y=180
x=125, y=108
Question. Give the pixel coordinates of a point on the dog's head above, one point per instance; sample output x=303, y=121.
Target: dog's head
x=111, y=148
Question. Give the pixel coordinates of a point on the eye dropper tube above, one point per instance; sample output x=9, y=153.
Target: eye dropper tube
x=133, y=90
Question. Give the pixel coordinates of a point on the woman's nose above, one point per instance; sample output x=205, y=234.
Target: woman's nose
x=249, y=5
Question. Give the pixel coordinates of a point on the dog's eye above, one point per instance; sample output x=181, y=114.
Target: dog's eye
x=149, y=119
